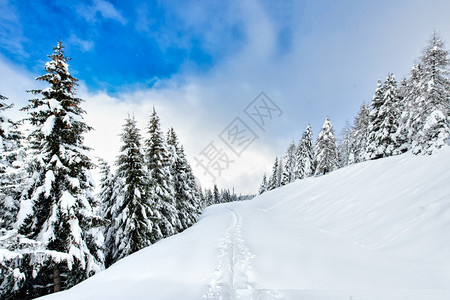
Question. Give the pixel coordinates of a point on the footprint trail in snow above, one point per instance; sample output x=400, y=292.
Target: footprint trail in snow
x=233, y=276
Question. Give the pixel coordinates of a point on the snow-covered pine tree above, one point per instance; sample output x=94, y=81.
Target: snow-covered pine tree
x=203, y=201
x=360, y=133
x=161, y=191
x=186, y=191
x=433, y=118
x=326, y=155
x=305, y=155
x=209, y=198
x=110, y=192
x=384, y=120
x=60, y=185
x=411, y=99
x=225, y=196
x=263, y=186
x=216, y=195
x=280, y=171
x=274, y=182
x=346, y=150
x=11, y=172
x=288, y=174
x=12, y=278
x=132, y=213
x=404, y=108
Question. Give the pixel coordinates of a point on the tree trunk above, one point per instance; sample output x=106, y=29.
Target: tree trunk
x=56, y=279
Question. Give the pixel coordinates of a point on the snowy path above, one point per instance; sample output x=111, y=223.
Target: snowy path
x=232, y=277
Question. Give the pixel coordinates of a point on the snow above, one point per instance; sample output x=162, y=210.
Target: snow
x=49, y=179
x=74, y=182
x=373, y=230
x=26, y=208
x=47, y=127
x=67, y=202
x=76, y=231
x=72, y=117
x=54, y=104
x=5, y=254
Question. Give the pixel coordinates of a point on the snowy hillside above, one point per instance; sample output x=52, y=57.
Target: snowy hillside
x=373, y=230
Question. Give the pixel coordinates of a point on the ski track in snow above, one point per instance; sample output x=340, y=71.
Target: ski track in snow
x=232, y=278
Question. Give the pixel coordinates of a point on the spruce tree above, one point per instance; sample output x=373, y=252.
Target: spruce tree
x=273, y=179
x=326, y=156
x=12, y=155
x=288, y=173
x=216, y=199
x=161, y=190
x=433, y=118
x=411, y=93
x=305, y=155
x=280, y=171
x=384, y=120
x=263, y=186
x=225, y=195
x=108, y=189
x=186, y=191
x=60, y=185
x=132, y=213
x=360, y=134
x=203, y=201
x=404, y=108
x=110, y=193
x=346, y=152
x=209, y=198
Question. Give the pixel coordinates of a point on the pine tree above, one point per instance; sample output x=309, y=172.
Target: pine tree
x=209, y=198
x=305, y=155
x=288, y=174
x=110, y=192
x=411, y=93
x=131, y=213
x=280, y=171
x=12, y=156
x=161, y=190
x=203, y=200
x=360, y=134
x=60, y=185
x=325, y=158
x=263, y=186
x=107, y=189
x=216, y=195
x=187, y=195
x=404, y=108
x=272, y=182
x=433, y=119
x=384, y=118
x=275, y=178
x=225, y=195
x=346, y=148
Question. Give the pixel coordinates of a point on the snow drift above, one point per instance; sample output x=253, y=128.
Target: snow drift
x=373, y=230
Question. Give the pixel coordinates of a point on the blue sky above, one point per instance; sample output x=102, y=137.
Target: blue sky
x=119, y=43
x=202, y=62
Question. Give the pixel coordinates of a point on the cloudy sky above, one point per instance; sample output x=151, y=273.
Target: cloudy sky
x=202, y=63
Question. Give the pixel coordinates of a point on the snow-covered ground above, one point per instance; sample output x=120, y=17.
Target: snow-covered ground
x=374, y=230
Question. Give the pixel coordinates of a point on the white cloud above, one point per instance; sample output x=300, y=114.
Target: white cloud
x=11, y=32
x=15, y=80
x=84, y=45
x=104, y=8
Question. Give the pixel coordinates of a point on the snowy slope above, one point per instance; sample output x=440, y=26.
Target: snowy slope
x=374, y=230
